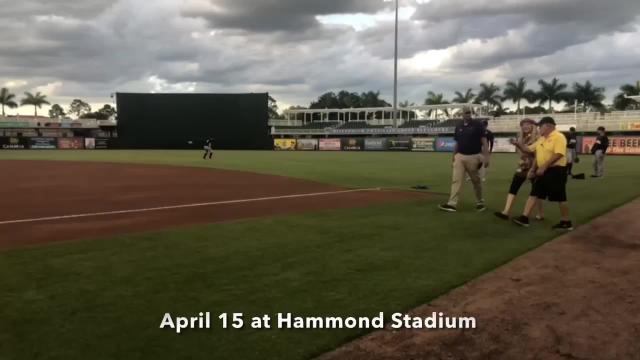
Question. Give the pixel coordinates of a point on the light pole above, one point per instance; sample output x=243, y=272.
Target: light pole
x=395, y=73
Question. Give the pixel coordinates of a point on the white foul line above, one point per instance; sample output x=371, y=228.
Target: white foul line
x=118, y=212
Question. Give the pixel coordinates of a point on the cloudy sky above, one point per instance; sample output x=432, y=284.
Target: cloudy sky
x=299, y=49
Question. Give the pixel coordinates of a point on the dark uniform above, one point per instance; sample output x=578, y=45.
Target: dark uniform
x=572, y=154
x=208, y=148
x=599, y=149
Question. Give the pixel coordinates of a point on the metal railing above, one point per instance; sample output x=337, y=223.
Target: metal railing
x=583, y=122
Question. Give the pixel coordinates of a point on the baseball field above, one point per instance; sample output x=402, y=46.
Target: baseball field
x=96, y=246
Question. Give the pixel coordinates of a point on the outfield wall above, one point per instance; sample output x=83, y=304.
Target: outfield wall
x=619, y=145
x=52, y=143
x=185, y=121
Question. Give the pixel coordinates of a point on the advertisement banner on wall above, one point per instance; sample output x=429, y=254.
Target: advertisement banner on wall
x=70, y=143
x=445, y=144
x=307, y=144
x=375, y=144
x=586, y=144
x=329, y=144
x=399, y=144
x=503, y=145
x=89, y=143
x=102, y=144
x=624, y=145
x=423, y=144
x=284, y=144
x=350, y=144
x=48, y=143
x=618, y=145
x=13, y=143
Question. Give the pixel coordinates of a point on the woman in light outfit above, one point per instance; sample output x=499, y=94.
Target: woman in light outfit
x=526, y=168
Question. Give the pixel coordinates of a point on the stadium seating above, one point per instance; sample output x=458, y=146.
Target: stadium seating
x=419, y=123
x=313, y=125
x=359, y=125
x=449, y=123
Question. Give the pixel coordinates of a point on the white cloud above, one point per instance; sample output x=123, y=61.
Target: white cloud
x=50, y=89
x=159, y=85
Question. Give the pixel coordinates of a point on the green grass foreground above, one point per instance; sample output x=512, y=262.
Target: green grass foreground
x=105, y=299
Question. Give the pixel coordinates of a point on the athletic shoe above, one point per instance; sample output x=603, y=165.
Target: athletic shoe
x=563, y=225
x=595, y=176
x=539, y=218
x=480, y=207
x=501, y=215
x=522, y=221
x=448, y=208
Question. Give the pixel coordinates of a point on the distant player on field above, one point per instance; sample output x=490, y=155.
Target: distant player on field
x=208, y=148
x=572, y=153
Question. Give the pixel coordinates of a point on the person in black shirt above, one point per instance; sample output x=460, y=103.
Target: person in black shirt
x=489, y=133
x=208, y=148
x=490, y=139
x=599, y=149
x=572, y=154
x=470, y=154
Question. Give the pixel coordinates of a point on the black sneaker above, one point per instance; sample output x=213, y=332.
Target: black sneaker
x=595, y=176
x=480, y=207
x=522, y=221
x=501, y=215
x=447, y=207
x=563, y=225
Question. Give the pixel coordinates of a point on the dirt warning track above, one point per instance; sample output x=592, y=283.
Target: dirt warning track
x=577, y=297
x=45, y=201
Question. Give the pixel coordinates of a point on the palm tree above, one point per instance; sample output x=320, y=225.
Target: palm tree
x=552, y=92
x=621, y=102
x=6, y=99
x=588, y=95
x=517, y=91
x=435, y=99
x=465, y=98
x=36, y=100
x=490, y=94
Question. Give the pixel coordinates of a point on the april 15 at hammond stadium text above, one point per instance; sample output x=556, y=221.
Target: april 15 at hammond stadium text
x=207, y=320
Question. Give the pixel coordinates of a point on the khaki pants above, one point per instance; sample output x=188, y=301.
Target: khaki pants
x=466, y=164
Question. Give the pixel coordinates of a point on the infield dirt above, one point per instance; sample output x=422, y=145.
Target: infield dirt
x=577, y=297
x=34, y=190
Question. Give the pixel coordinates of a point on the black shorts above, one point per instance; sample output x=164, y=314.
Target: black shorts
x=552, y=185
x=516, y=183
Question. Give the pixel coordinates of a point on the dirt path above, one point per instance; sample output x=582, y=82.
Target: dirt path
x=41, y=189
x=577, y=297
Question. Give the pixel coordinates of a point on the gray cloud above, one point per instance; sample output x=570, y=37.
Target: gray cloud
x=275, y=15
x=95, y=48
x=603, y=14
x=72, y=8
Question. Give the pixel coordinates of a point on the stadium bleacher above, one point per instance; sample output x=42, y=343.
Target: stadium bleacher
x=449, y=123
x=321, y=125
x=419, y=123
x=359, y=125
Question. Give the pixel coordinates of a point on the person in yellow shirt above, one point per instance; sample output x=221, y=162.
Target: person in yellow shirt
x=551, y=175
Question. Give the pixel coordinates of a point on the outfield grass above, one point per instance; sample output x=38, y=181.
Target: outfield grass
x=105, y=299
